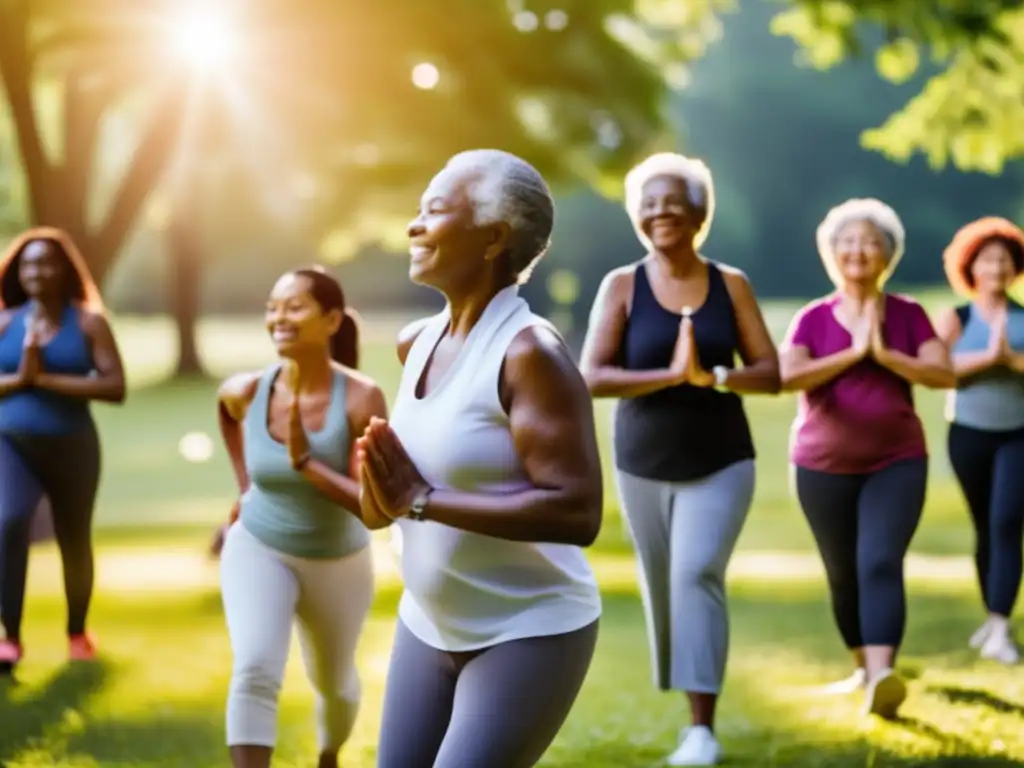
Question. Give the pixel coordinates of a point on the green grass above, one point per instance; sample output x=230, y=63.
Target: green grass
x=157, y=700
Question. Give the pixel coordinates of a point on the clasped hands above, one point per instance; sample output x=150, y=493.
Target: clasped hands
x=389, y=482
x=685, y=366
x=999, y=349
x=30, y=366
x=866, y=332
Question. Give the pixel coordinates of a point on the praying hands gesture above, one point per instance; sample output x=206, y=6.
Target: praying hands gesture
x=389, y=481
x=30, y=365
x=999, y=349
x=686, y=358
x=298, y=442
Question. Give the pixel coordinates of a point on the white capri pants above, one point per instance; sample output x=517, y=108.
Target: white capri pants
x=263, y=591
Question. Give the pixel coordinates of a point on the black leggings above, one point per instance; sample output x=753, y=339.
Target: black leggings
x=863, y=525
x=990, y=468
x=499, y=707
x=66, y=468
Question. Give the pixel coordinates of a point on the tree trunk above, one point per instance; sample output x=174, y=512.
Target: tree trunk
x=184, y=249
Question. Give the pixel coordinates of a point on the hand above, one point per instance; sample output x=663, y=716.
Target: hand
x=877, y=349
x=388, y=472
x=680, y=365
x=298, y=442
x=863, y=333
x=30, y=366
x=217, y=542
x=998, y=341
x=370, y=507
x=695, y=373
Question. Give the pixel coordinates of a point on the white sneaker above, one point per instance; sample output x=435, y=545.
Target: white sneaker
x=852, y=684
x=1000, y=646
x=698, y=747
x=885, y=693
x=981, y=634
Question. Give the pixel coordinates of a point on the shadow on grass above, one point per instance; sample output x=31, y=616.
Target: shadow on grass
x=972, y=697
x=25, y=721
x=168, y=739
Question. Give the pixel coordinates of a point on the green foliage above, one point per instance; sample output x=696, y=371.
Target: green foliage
x=969, y=112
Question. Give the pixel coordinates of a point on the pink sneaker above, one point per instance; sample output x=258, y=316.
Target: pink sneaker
x=81, y=648
x=10, y=653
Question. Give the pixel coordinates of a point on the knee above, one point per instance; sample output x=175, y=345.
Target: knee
x=695, y=574
x=882, y=570
x=256, y=679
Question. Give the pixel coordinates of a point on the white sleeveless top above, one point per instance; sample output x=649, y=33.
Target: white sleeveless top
x=465, y=591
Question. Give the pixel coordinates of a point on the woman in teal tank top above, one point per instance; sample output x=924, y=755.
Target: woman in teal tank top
x=986, y=433
x=297, y=546
x=57, y=353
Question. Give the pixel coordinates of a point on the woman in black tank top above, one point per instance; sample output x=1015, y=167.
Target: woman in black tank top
x=664, y=338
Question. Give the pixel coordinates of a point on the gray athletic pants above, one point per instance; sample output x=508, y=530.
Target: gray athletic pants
x=499, y=707
x=684, y=535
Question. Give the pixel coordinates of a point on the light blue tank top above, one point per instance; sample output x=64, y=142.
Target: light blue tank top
x=282, y=508
x=994, y=399
x=34, y=411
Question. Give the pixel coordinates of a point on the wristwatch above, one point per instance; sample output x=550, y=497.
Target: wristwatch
x=721, y=374
x=418, y=509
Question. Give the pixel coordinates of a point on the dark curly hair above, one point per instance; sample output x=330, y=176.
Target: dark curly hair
x=81, y=287
x=967, y=243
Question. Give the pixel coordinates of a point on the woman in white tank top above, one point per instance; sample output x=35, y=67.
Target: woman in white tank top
x=490, y=466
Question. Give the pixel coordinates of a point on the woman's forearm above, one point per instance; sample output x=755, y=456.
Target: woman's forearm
x=10, y=383
x=342, y=490
x=535, y=516
x=609, y=381
x=110, y=389
x=761, y=378
x=967, y=364
x=917, y=371
x=810, y=374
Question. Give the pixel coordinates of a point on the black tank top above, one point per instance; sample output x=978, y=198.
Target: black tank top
x=680, y=433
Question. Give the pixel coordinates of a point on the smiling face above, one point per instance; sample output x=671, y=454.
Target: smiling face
x=447, y=246
x=672, y=211
x=42, y=270
x=297, y=324
x=861, y=252
x=992, y=269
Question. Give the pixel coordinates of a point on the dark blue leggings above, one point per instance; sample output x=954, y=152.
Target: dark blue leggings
x=66, y=468
x=863, y=525
x=990, y=468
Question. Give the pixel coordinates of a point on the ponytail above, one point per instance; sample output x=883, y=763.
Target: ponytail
x=345, y=343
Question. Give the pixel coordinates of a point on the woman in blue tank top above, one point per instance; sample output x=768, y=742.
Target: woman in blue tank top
x=299, y=549
x=986, y=433
x=57, y=353
x=664, y=338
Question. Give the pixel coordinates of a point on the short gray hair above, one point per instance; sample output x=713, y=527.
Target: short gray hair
x=687, y=169
x=868, y=209
x=508, y=189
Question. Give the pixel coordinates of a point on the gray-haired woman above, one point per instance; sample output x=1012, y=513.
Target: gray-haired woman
x=664, y=337
x=858, y=445
x=490, y=465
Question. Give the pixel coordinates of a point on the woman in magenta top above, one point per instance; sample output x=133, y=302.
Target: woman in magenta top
x=858, y=446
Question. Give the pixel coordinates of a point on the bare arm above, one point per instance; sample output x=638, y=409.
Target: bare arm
x=931, y=366
x=9, y=382
x=552, y=423
x=801, y=371
x=365, y=400
x=760, y=371
x=233, y=400
x=604, y=338
x=108, y=383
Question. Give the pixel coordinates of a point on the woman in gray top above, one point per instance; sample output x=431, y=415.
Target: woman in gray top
x=986, y=434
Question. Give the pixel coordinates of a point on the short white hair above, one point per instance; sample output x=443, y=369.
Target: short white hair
x=868, y=209
x=687, y=169
x=508, y=189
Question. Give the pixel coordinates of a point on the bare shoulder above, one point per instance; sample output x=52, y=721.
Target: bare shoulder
x=93, y=322
x=362, y=394
x=6, y=316
x=947, y=324
x=236, y=392
x=538, y=354
x=734, y=277
x=617, y=285
x=408, y=335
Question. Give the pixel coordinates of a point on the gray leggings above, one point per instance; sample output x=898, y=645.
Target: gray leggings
x=684, y=535
x=499, y=707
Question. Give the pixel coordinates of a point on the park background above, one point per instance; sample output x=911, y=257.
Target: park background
x=197, y=149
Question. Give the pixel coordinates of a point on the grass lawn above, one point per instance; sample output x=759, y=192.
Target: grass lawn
x=157, y=699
